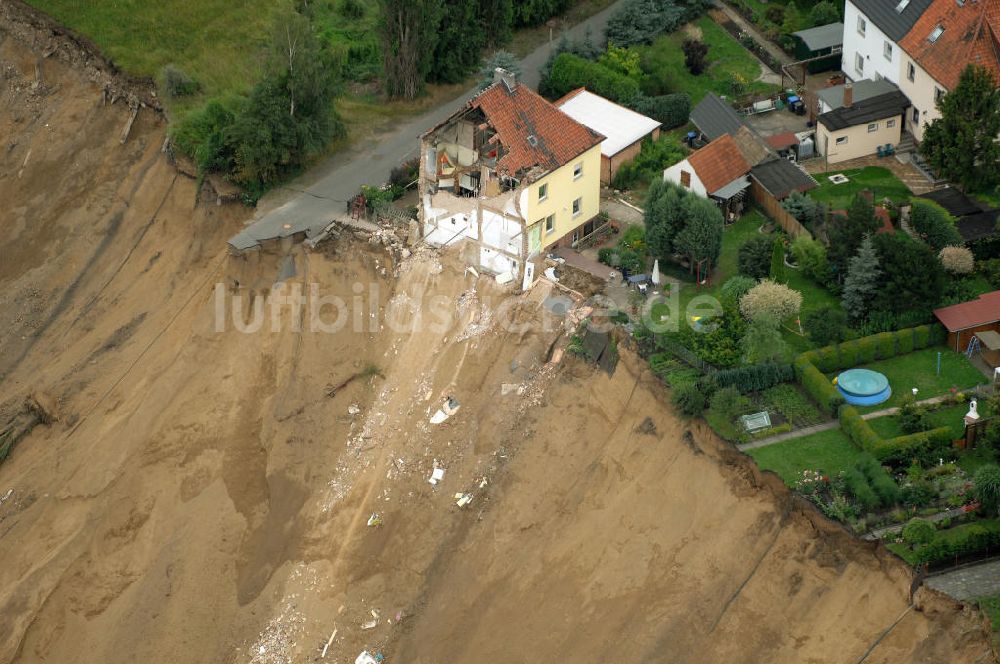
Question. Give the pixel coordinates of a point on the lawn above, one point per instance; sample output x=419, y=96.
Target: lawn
x=990, y=604
x=828, y=452
x=888, y=426
x=879, y=180
x=217, y=42
x=663, y=61
x=917, y=369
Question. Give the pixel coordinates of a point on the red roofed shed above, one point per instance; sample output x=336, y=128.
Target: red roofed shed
x=966, y=319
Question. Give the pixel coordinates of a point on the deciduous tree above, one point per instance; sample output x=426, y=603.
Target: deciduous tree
x=770, y=300
x=409, y=37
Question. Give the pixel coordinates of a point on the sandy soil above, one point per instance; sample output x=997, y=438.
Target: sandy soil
x=205, y=498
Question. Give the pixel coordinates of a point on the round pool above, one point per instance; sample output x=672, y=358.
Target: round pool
x=863, y=387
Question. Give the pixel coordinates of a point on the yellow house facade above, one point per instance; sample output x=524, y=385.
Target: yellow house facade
x=559, y=204
x=509, y=176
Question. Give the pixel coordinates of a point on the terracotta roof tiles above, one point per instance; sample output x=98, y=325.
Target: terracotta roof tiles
x=719, y=163
x=970, y=35
x=531, y=130
x=981, y=311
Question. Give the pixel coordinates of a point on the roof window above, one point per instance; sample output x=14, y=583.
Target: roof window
x=532, y=140
x=938, y=30
x=901, y=6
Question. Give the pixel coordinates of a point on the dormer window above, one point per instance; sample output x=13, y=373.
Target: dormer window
x=938, y=30
x=532, y=140
x=901, y=6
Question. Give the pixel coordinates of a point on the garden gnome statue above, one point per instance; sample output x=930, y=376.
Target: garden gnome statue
x=973, y=415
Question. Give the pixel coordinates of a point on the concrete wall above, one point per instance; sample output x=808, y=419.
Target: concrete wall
x=860, y=142
x=673, y=174
x=920, y=91
x=871, y=46
x=563, y=189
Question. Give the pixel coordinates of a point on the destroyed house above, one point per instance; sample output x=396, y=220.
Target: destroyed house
x=510, y=175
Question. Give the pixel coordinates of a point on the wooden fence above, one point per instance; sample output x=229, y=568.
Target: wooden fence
x=772, y=207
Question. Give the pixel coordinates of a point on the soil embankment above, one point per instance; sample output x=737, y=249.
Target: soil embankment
x=205, y=494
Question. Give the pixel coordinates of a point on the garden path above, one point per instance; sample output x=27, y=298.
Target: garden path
x=751, y=29
x=826, y=426
x=968, y=582
x=879, y=533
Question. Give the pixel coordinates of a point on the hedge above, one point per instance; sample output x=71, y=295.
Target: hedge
x=885, y=343
x=858, y=430
x=876, y=347
x=670, y=110
x=570, y=72
x=927, y=446
x=756, y=377
x=819, y=387
x=959, y=541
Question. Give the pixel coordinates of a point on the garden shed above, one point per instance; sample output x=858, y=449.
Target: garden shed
x=823, y=40
x=624, y=129
x=963, y=321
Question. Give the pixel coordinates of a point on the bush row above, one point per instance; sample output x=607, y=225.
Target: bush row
x=875, y=347
x=959, y=541
x=927, y=446
x=818, y=386
x=756, y=377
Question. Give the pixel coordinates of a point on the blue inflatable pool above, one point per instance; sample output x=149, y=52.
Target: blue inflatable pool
x=863, y=387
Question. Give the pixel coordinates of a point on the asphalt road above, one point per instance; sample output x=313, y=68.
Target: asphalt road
x=315, y=205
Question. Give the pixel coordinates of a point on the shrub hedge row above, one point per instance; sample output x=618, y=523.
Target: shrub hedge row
x=755, y=377
x=960, y=541
x=926, y=446
x=876, y=347
x=859, y=351
x=818, y=386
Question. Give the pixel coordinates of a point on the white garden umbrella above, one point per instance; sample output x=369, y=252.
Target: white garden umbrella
x=655, y=278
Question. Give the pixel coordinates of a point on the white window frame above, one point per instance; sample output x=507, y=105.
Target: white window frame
x=841, y=140
x=578, y=171
x=550, y=224
x=938, y=93
x=577, y=207
x=915, y=116
x=543, y=192
x=889, y=124
x=862, y=26
x=859, y=63
x=872, y=127
x=887, y=50
x=911, y=72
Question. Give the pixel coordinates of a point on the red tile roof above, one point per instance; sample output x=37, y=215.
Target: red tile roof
x=971, y=36
x=531, y=130
x=782, y=141
x=883, y=218
x=719, y=163
x=982, y=311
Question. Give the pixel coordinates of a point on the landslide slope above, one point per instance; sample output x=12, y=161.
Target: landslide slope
x=204, y=495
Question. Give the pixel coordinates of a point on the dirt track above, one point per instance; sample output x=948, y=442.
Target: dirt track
x=203, y=499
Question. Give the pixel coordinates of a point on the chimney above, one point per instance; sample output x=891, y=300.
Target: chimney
x=508, y=78
x=848, y=95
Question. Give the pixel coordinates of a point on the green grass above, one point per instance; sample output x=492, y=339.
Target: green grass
x=876, y=178
x=828, y=452
x=663, y=61
x=215, y=41
x=917, y=369
x=888, y=426
x=990, y=604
